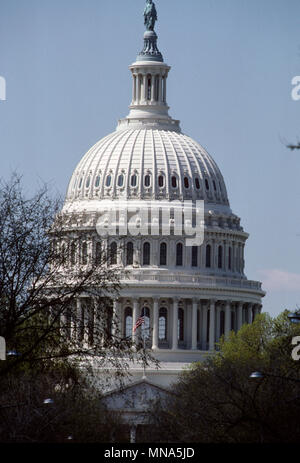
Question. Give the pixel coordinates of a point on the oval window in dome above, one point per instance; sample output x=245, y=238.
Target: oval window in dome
x=197, y=183
x=147, y=181
x=186, y=183
x=161, y=181
x=108, y=180
x=97, y=181
x=88, y=182
x=80, y=184
x=120, y=180
x=206, y=184
x=215, y=186
x=174, y=182
x=134, y=180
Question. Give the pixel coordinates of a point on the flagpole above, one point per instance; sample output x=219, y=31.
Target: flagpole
x=144, y=341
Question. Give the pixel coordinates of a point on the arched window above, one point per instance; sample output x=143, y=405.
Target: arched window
x=147, y=181
x=197, y=183
x=113, y=254
x=84, y=253
x=163, y=254
x=88, y=182
x=179, y=255
x=120, y=181
x=220, y=257
x=146, y=326
x=146, y=254
x=133, y=180
x=208, y=256
x=174, y=182
x=230, y=258
x=222, y=322
x=129, y=253
x=195, y=256
x=186, y=183
x=80, y=184
x=97, y=181
x=215, y=186
x=73, y=254
x=161, y=181
x=98, y=253
x=180, y=324
x=128, y=322
x=162, y=324
x=108, y=181
x=206, y=184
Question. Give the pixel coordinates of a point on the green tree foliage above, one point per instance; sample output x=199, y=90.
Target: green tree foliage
x=217, y=402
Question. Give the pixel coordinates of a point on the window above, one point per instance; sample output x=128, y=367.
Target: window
x=147, y=181
x=179, y=254
x=197, y=183
x=108, y=181
x=149, y=89
x=145, y=326
x=128, y=322
x=80, y=183
x=195, y=256
x=73, y=254
x=186, y=183
x=161, y=181
x=163, y=254
x=146, y=254
x=98, y=253
x=88, y=182
x=215, y=186
x=232, y=321
x=97, y=181
x=180, y=324
x=222, y=322
x=206, y=184
x=156, y=87
x=129, y=254
x=133, y=180
x=84, y=253
x=220, y=257
x=120, y=180
x=174, y=182
x=208, y=256
x=113, y=253
x=230, y=258
x=162, y=324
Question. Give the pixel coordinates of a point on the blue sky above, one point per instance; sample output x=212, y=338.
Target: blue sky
x=66, y=67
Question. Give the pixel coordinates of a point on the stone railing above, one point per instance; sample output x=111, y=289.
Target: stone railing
x=206, y=281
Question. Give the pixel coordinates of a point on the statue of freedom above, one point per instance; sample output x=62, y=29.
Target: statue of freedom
x=150, y=15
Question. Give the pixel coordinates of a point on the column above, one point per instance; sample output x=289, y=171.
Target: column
x=240, y=315
x=227, y=318
x=115, y=318
x=160, y=90
x=144, y=96
x=250, y=313
x=78, y=319
x=194, y=324
x=165, y=90
x=175, y=325
x=152, y=88
x=155, y=324
x=134, y=317
x=212, y=317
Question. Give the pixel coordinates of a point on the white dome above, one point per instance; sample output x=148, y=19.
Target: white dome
x=147, y=164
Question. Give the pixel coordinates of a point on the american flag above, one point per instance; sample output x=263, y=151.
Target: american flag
x=139, y=322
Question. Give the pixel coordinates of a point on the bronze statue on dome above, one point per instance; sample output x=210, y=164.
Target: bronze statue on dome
x=150, y=15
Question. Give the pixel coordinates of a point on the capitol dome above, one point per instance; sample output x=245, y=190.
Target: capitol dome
x=188, y=295
x=148, y=163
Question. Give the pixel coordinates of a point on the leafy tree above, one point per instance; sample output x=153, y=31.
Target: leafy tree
x=216, y=401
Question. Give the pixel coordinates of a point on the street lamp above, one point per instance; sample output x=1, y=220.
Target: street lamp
x=256, y=375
